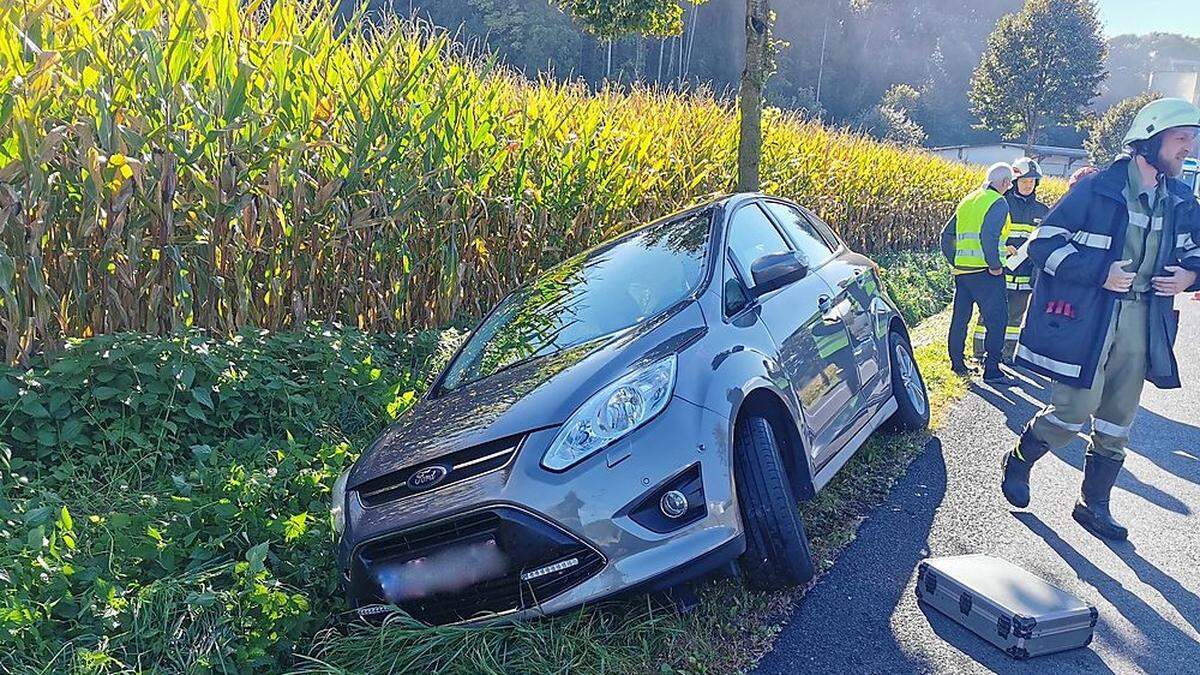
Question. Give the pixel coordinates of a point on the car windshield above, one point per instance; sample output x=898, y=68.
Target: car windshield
x=589, y=296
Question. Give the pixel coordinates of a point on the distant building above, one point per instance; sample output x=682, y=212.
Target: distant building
x=1179, y=84
x=1055, y=161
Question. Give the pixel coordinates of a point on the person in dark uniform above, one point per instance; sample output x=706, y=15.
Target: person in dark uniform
x=1111, y=256
x=1026, y=213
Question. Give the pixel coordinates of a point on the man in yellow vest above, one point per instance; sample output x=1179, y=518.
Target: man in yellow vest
x=973, y=242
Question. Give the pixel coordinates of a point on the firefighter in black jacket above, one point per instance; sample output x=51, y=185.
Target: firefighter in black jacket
x=1026, y=213
x=1110, y=257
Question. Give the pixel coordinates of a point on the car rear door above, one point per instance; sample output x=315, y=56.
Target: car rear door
x=803, y=322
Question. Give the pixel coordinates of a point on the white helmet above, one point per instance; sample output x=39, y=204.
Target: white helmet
x=1026, y=167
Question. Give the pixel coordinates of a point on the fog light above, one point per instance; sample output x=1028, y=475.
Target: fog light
x=673, y=504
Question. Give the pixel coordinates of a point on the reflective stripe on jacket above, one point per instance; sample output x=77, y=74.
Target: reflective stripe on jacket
x=1026, y=213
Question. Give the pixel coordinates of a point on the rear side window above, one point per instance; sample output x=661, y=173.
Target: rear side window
x=813, y=246
x=751, y=236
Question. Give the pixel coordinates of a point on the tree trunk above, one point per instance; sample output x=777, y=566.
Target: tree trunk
x=824, y=41
x=679, y=64
x=639, y=58
x=687, y=67
x=1032, y=132
x=758, y=15
x=586, y=57
x=662, y=47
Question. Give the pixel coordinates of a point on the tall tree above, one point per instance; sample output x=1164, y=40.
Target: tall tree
x=611, y=19
x=1042, y=67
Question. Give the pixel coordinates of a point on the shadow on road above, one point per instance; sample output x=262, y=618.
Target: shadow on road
x=1133, y=608
x=1179, y=452
x=1182, y=462
x=1184, y=601
x=1017, y=409
x=851, y=607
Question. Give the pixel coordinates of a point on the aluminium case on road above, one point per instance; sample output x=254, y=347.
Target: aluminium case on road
x=1013, y=609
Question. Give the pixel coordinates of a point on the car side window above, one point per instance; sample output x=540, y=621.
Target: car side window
x=751, y=236
x=813, y=246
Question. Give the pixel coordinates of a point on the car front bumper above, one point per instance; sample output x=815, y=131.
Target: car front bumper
x=587, y=533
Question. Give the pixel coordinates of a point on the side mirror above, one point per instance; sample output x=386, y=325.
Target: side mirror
x=777, y=270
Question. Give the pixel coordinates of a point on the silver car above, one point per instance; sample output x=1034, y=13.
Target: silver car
x=635, y=417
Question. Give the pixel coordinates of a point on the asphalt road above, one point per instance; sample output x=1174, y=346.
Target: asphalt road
x=863, y=616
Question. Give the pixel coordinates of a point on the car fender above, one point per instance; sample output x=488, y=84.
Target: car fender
x=735, y=372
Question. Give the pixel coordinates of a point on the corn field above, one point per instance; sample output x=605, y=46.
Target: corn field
x=167, y=164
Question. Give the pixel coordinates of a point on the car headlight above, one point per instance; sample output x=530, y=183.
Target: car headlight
x=337, y=506
x=612, y=412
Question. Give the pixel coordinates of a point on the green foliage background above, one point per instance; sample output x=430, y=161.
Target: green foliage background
x=1106, y=138
x=1043, y=66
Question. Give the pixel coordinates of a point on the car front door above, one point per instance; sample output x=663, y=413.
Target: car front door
x=852, y=279
x=803, y=322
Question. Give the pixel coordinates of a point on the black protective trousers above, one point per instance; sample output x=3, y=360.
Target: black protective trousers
x=988, y=292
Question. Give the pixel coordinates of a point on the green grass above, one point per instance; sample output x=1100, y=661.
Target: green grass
x=918, y=281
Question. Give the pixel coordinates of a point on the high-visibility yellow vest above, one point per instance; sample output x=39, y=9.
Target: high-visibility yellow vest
x=1020, y=231
x=968, y=250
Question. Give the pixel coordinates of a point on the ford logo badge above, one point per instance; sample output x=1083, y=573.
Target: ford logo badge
x=423, y=479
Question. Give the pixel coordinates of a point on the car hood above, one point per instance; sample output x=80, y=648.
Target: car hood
x=535, y=394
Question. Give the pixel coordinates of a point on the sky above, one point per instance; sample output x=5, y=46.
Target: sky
x=1147, y=16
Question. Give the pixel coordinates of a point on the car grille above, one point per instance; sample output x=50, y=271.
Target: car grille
x=458, y=466
x=544, y=562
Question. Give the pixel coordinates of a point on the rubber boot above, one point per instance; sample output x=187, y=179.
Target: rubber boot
x=1091, y=511
x=995, y=376
x=1017, y=463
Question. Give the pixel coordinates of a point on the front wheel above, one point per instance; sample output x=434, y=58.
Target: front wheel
x=908, y=387
x=777, y=554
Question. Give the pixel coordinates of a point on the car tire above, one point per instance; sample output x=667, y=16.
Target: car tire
x=908, y=387
x=777, y=554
